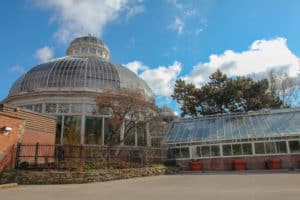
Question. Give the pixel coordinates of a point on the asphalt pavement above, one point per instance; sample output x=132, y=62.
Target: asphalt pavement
x=278, y=186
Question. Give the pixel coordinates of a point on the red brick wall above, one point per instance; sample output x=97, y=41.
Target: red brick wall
x=8, y=141
x=27, y=128
x=32, y=136
x=252, y=163
x=34, y=121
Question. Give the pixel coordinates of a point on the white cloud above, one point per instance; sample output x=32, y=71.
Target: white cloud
x=187, y=13
x=136, y=66
x=199, y=30
x=262, y=56
x=132, y=11
x=177, y=25
x=17, y=69
x=160, y=79
x=43, y=54
x=176, y=4
x=76, y=17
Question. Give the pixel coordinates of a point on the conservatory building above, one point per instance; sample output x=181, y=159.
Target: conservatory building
x=255, y=139
x=67, y=87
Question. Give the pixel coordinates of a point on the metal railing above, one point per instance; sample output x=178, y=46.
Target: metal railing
x=81, y=157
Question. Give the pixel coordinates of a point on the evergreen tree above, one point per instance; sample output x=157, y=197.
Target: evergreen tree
x=222, y=94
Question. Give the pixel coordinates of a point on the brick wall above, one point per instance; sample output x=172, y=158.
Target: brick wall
x=7, y=142
x=27, y=127
x=34, y=121
x=252, y=163
x=32, y=136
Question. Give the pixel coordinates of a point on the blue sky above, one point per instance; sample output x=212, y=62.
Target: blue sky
x=159, y=40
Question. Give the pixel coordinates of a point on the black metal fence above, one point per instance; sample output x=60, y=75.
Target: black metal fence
x=80, y=157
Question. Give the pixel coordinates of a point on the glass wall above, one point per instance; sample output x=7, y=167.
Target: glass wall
x=141, y=131
x=156, y=142
x=58, y=130
x=235, y=127
x=71, y=129
x=208, y=151
x=68, y=127
x=277, y=147
x=240, y=149
x=110, y=136
x=129, y=134
x=182, y=152
x=294, y=146
x=93, y=130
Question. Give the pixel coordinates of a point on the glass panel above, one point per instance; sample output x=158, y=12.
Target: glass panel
x=156, y=142
x=270, y=148
x=76, y=51
x=141, y=133
x=72, y=129
x=50, y=108
x=198, y=151
x=110, y=136
x=227, y=128
x=215, y=150
x=105, y=111
x=259, y=148
x=38, y=108
x=84, y=50
x=63, y=108
x=76, y=108
x=237, y=149
x=129, y=133
x=247, y=149
x=93, y=50
x=244, y=127
x=205, y=152
x=281, y=147
x=178, y=153
x=173, y=153
x=184, y=152
x=227, y=151
x=58, y=129
x=294, y=146
x=93, y=129
x=90, y=108
x=29, y=107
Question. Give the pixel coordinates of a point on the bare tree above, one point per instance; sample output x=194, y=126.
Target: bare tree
x=283, y=86
x=127, y=111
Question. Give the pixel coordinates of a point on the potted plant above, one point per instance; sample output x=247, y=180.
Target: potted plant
x=195, y=165
x=239, y=164
x=274, y=163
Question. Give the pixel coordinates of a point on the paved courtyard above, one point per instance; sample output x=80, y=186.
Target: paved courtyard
x=283, y=186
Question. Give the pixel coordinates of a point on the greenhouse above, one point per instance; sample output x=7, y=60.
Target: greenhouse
x=243, y=135
x=67, y=87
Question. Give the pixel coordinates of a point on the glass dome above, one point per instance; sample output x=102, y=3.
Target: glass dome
x=81, y=71
x=68, y=88
x=88, y=46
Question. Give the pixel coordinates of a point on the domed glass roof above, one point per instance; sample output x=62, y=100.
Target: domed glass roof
x=86, y=71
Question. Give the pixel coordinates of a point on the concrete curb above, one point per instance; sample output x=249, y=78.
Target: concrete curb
x=283, y=171
x=9, y=185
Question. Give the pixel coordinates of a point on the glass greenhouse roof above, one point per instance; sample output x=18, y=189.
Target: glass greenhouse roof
x=81, y=74
x=235, y=127
x=86, y=68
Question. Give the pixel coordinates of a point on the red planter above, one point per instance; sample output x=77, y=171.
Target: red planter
x=274, y=164
x=239, y=165
x=195, y=166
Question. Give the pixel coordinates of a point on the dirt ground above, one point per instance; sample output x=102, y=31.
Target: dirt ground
x=276, y=186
